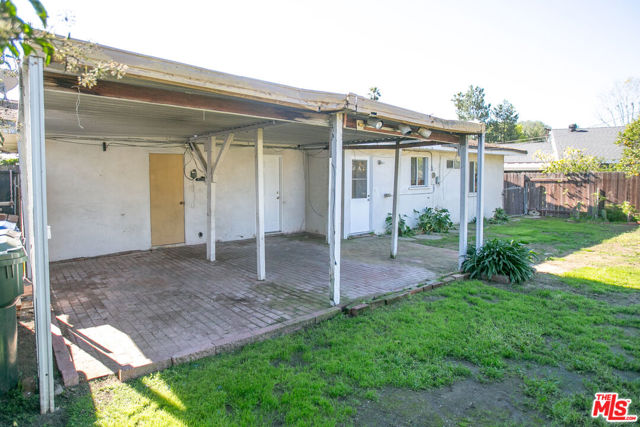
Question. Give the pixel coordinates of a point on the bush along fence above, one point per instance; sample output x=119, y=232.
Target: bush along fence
x=557, y=194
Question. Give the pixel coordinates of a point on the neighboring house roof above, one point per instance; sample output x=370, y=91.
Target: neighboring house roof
x=532, y=148
x=599, y=142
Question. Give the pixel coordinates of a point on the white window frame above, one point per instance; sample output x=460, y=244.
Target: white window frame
x=425, y=171
x=473, y=177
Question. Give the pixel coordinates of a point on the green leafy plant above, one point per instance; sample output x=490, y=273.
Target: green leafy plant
x=507, y=257
x=18, y=37
x=403, y=229
x=9, y=162
x=573, y=160
x=499, y=217
x=621, y=212
x=624, y=211
x=432, y=220
x=630, y=140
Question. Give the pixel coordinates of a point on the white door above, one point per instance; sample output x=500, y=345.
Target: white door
x=272, y=194
x=360, y=197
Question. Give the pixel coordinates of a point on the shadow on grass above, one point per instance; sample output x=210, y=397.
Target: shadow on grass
x=21, y=405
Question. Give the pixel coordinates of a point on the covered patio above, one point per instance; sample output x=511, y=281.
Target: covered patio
x=124, y=312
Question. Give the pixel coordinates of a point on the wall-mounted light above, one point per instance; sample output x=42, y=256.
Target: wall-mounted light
x=375, y=123
x=404, y=129
x=425, y=133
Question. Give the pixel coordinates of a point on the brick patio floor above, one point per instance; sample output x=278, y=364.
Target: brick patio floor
x=133, y=309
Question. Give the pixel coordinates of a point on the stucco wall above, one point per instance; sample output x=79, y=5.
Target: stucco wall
x=444, y=194
x=98, y=202
x=317, y=177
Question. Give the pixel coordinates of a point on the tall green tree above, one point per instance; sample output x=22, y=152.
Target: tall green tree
x=503, y=125
x=471, y=105
x=630, y=140
x=532, y=129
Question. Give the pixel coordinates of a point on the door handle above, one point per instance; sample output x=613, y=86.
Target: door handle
x=181, y=202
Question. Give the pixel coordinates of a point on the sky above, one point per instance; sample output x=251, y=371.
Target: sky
x=552, y=59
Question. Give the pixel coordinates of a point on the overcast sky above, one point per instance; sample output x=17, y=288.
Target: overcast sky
x=550, y=58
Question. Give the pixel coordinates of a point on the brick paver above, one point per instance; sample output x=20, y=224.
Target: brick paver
x=125, y=311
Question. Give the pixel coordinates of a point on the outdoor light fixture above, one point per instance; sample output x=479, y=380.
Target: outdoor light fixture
x=404, y=129
x=374, y=123
x=425, y=133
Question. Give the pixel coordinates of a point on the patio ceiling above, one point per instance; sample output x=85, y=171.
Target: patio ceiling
x=85, y=116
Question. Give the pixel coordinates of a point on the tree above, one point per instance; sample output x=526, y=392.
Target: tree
x=573, y=160
x=374, y=93
x=630, y=139
x=471, y=105
x=532, y=129
x=502, y=126
x=621, y=105
x=17, y=37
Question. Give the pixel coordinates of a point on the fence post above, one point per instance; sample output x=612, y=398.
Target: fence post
x=525, y=191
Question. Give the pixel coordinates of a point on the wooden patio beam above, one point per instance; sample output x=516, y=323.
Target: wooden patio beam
x=438, y=136
x=180, y=98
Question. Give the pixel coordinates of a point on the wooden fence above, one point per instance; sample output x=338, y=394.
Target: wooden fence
x=557, y=194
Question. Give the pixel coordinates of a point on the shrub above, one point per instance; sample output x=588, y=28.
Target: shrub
x=403, y=228
x=624, y=211
x=509, y=258
x=432, y=220
x=499, y=217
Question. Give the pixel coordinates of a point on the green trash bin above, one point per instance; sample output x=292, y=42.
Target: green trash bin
x=12, y=259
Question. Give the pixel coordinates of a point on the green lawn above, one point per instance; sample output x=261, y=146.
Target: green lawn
x=548, y=236
x=470, y=353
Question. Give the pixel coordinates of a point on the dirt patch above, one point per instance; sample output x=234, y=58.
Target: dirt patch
x=569, y=382
x=465, y=401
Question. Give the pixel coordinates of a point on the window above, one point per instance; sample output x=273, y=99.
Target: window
x=419, y=171
x=359, y=180
x=473, y=177
x=453, y=164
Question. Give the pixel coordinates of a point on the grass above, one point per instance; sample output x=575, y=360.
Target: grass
x=547, y=236
x=549, y=349
x=322, y=375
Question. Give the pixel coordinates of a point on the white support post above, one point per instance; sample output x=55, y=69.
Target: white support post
x=335, y=207
x=480, y=194
x=32, y=161
x=260, y=205
x=211, y=201
x=394, y=222
x=464, y=194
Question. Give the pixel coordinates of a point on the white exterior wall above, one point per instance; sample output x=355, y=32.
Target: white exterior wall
x=98, y=201
x=442, y=195
x=317, y=204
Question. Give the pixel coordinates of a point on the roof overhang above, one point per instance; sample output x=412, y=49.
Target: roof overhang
x=166, y=101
